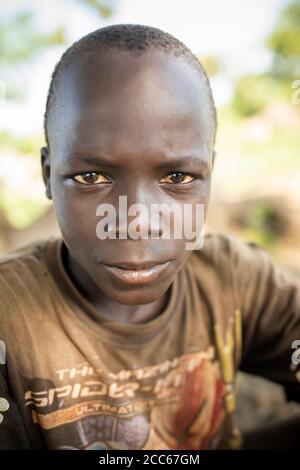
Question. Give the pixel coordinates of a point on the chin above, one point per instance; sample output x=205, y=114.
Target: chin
x=136, y=296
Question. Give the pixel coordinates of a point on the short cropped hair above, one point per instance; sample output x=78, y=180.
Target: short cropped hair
x=128, y=37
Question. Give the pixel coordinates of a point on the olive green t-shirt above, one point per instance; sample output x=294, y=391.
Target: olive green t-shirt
x=71, y=378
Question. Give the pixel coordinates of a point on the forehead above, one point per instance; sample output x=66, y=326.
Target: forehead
x=120, y=100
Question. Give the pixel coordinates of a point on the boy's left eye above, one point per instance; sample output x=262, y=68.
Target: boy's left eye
x=91, y=178
x=177, y=178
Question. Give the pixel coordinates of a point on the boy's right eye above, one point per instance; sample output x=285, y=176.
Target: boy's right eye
x=91, y=178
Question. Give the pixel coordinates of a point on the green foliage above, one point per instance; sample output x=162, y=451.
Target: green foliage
x=20, y=211
x=253, y=93
x=20, y=41
x=101, y=7
x=210, y=64
x=264, y=219
x=23, y=145
x=277, y=154
x=284, y=42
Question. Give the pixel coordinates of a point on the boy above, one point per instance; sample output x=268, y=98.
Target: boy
x=125, y=343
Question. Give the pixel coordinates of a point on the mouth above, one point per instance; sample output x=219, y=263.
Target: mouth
x=137, y=275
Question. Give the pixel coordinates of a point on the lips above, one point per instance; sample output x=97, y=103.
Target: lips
x=138, y=275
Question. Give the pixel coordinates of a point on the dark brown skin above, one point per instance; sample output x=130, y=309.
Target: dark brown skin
x=133, y=116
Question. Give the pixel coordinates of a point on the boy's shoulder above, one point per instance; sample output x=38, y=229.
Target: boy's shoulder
x=23, y=269
x=25, y=254
x=228, y=248
x=232, y=260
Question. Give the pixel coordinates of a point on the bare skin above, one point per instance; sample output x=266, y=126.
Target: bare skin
x=136, y=122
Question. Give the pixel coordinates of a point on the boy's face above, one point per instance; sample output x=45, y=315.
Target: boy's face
x=129, y=119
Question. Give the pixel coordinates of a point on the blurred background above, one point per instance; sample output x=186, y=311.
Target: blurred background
x=251, y=51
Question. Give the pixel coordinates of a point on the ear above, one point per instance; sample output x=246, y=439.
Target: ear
x=45, y=162
x=213, y=159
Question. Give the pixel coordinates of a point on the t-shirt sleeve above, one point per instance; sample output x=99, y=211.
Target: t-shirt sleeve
x=12, y=432
x=269, y=300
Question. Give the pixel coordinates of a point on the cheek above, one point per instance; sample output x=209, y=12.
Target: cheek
x=199, y=203
x=204, y=192
x=204, y=196
x=199, y=194
x=76, y=214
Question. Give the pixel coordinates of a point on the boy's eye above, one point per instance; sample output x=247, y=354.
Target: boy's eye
x=91, y=178
x=177, y=178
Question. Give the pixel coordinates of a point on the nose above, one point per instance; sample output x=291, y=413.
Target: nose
x=135, y=219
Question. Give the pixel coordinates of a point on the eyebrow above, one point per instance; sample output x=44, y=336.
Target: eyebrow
x=99, y=161
x=188, y=159
x=95, y=161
